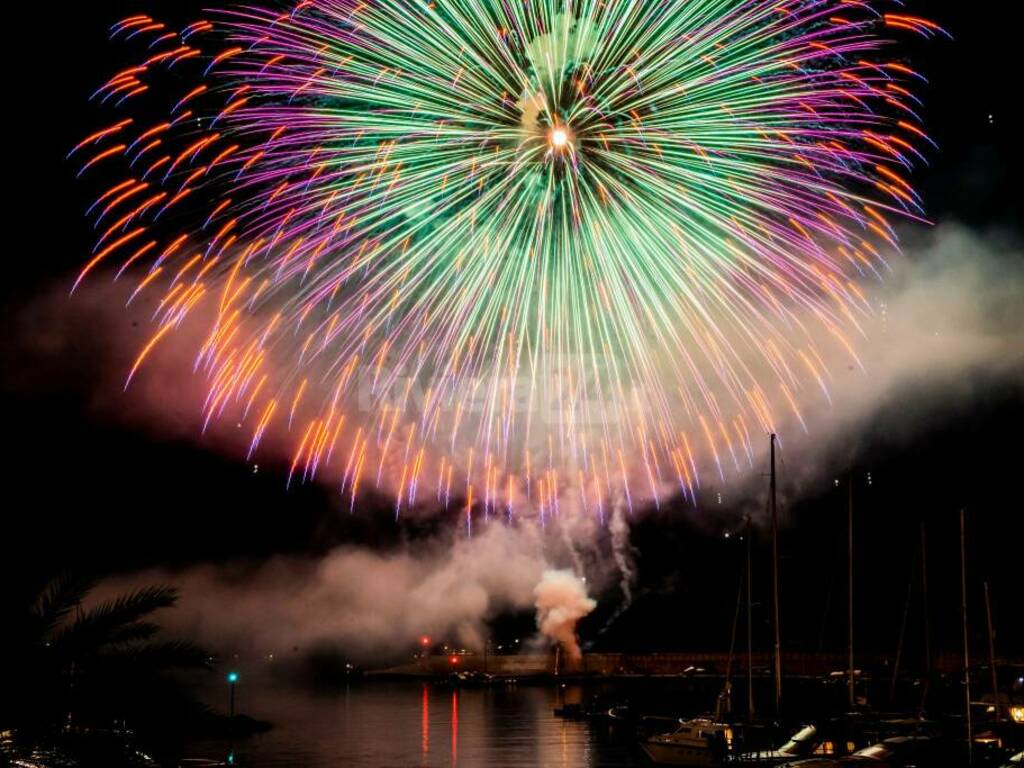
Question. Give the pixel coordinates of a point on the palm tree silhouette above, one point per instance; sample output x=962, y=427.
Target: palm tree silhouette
x=97, y=665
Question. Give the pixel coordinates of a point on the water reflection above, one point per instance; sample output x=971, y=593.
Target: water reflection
x=391, y=724
x=425, y=723
x=455, y=727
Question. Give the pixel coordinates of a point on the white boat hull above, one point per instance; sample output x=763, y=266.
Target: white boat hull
x=668, y=753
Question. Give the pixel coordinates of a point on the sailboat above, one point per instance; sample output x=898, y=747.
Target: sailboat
x=705, y=741
x=695, y=742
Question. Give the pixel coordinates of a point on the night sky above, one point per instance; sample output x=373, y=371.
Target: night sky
x=91, y=491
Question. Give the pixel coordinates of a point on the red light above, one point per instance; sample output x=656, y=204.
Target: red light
x=454, y=659
x=424, y=641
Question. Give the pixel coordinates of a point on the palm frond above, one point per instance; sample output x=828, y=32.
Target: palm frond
x=95, y=628
x=57, y=599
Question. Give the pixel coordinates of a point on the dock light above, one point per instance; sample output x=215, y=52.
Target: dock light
x=1017, y=713
x=232, y=679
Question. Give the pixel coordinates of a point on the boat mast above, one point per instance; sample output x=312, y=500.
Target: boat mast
x=775, y=585
x=991, y=648
x=927, y=628
x=750, y=626
x=849, y=576
x=725, y=699
x=967, y=656
x=903, y=635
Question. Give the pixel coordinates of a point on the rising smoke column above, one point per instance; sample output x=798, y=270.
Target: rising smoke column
x=561, y=601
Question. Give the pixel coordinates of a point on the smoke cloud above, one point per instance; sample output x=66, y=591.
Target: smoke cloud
x=948, y=314
x=621, y=552
x=368, y=604
x=561, y=600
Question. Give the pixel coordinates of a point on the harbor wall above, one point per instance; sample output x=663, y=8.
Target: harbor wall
x=794, y=664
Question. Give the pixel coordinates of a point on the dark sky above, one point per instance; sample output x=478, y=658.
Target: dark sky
x=86, y=492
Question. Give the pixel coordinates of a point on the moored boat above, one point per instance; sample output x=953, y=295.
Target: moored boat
x=801, y=744
x=696, y=742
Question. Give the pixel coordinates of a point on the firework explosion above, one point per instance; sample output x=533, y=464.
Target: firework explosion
x=490, y=252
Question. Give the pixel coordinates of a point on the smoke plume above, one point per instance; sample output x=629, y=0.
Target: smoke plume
x=561, y=601
x=370, y=605
x=949, y=314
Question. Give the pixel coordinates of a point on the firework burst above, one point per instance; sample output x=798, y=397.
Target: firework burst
x=493, y=250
